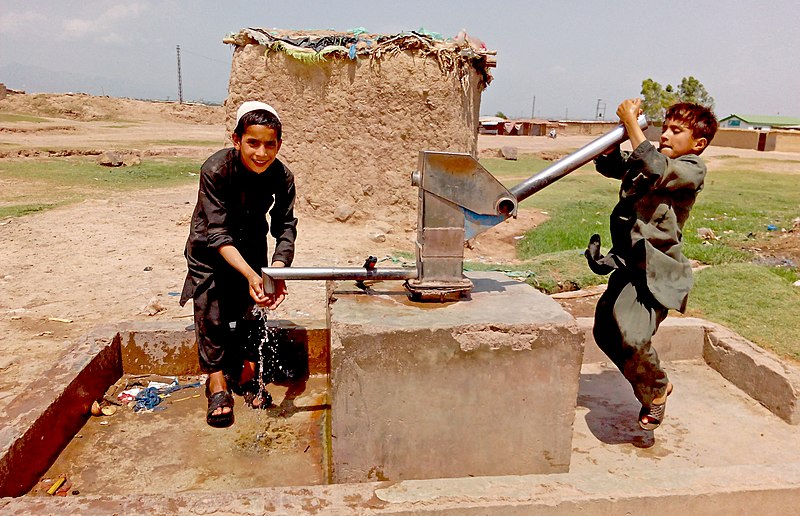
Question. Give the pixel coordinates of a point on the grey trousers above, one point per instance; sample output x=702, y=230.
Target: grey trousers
x=626, y=318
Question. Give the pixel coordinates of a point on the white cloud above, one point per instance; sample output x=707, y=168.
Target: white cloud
x=20, y=22
x=104, y=24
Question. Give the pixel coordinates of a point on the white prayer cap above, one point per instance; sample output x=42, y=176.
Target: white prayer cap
x=253, y=105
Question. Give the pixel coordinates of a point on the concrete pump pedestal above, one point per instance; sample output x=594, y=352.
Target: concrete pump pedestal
x=481, y=387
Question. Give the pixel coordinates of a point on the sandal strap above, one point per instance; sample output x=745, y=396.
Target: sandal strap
x=219, y=399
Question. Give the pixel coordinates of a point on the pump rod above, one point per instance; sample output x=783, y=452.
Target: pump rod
x=270, y=274
x=573, y=161
x=340, y=273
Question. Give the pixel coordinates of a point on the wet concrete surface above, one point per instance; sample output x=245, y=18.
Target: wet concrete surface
x=174, y=450
x=709, y=423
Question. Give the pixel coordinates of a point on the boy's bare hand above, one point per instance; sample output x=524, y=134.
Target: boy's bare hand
x=629, y=111
x=257, y=289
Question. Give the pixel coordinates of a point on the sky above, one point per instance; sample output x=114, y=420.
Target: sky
x=559, y=59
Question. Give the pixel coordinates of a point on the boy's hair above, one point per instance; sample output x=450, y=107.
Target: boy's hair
x=699, y=119
x=259, y=117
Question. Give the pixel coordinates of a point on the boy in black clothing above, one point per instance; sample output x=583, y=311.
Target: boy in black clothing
x=650, y=273
x=226, y=249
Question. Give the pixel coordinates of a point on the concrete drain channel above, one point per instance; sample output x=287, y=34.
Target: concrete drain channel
x=280, y=459
x=169, y=448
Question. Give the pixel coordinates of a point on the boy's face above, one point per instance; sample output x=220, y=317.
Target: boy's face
x=677, y=140
x=257, y=147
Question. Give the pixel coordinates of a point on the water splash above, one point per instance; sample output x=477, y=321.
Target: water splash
x=262, y=315
x=274, y=353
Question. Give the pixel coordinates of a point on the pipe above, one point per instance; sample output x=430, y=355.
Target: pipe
x=573, y=161
x=268, y=274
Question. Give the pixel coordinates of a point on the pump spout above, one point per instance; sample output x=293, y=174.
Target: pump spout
x=572, y=162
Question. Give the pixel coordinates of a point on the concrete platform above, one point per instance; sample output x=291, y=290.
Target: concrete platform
x=692, y=465
x=729, y=446
x=491, y=381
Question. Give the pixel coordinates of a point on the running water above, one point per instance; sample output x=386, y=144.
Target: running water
x=261, y=314
x=273, y=364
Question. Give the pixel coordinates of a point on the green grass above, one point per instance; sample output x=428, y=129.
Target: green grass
x=740, y=199
x=37, y=185
x=755, y=301
x=13, y=117
x=182, y=143
x=19, y=210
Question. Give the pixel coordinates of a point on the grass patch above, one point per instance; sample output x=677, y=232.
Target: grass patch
x=550, y=273
x=13, y=117
x=759, y=304
x=742, y=198
x=85, y=172
x=43, y=184
x=18, y=210
x=180, y=143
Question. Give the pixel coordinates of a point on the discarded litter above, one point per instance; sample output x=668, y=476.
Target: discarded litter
x=772, y=227
x=147, y=399
x=707, y=234
x=57, y=484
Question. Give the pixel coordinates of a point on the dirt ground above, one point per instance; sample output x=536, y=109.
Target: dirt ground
x=66, y=271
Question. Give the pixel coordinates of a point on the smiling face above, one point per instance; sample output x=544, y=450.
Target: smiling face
x=257, y=147
x=678, y=140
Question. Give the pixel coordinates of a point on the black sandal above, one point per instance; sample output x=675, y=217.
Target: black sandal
x=651, y=417
x=217, y=400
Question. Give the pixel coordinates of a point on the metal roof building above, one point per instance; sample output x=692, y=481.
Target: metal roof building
x=759, y=122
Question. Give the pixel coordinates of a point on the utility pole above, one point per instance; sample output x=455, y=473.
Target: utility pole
x=600, y=110
x=180, y=84
x=533, y=107
x=566, y=113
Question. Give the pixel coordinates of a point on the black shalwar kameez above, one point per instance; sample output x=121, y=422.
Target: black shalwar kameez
x=232, y=205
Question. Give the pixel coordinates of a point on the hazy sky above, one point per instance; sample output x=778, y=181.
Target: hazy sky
x=566, y=53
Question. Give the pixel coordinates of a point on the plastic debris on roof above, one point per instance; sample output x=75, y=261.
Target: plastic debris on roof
x=452, y=54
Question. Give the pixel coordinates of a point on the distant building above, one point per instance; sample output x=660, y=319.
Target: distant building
x=759, y=122
x=518, y=127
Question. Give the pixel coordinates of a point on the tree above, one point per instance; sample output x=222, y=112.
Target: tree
x=652, y=93
x=691, y=90
x=656, y=100
x=502, y=115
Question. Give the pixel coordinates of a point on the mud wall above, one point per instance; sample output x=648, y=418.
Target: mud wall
x=787, y=141
x=353, y=129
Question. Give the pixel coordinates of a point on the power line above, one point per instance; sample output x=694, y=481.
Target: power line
x=204, y=57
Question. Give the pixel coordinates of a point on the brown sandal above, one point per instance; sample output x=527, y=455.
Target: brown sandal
x=651, y=417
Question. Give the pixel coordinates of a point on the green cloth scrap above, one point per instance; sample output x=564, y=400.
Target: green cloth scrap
x=430, y=34
x=358, y=31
